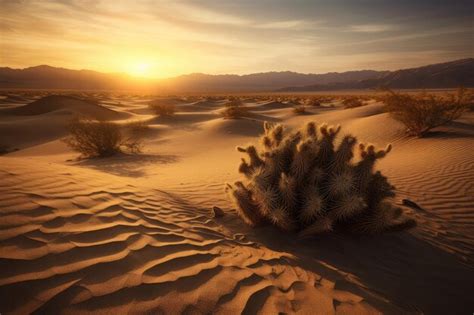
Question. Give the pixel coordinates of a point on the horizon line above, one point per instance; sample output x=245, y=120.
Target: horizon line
x=229, y=74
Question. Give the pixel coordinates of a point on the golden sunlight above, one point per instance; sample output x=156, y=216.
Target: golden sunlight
x=236, y=157
x=139, y=69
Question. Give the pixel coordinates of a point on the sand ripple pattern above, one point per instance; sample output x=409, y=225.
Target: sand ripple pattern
x=442, y=182
x=72, y=242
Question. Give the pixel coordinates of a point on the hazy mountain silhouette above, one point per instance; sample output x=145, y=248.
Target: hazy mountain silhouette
x=47, y=77
x=198, y=82
x=443, y=75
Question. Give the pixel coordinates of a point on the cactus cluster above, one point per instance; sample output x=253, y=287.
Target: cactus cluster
x=302, y=181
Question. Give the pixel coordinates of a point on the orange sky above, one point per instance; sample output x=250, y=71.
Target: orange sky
x=166, y=38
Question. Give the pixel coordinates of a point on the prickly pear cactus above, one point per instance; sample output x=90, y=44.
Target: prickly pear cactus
x=301, y=181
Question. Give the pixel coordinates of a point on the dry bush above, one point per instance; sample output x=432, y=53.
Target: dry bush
x=470, y=100
x=94, y=138
x=234, y=109
x=163, y=110
x=300, y=110
x=423, y=112
x=295, y=100
x=315, y=102
x=326, y=99
x=135, y=132
x=352, y=102
x=300, y=181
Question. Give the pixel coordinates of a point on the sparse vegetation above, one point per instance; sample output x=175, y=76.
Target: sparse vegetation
x=315, y=102
x=299, y=110
x=94, y=138
x=469, y=99
x=352, y=102
x=135, y=131
x=163, y=110
x=234, y=109
x=301, y=182
x=423, y=112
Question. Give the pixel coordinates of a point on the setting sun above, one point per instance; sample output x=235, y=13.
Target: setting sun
x=140, y=69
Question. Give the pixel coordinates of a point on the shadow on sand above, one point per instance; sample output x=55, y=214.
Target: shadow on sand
x=404, y=269
x=129, y=165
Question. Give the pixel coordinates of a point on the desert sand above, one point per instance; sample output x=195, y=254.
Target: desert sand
x=136, y=234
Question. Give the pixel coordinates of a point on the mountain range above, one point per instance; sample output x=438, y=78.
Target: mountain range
x=443, y=75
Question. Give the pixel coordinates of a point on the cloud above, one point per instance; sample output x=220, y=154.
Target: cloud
x=289, y=25
x=205, y=15
x=223, y=36
x=372, y=28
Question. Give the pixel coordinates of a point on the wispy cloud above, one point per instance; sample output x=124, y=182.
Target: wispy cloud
x=290, y=25
x=205, y=15
x=372, y=28
x=223, y=36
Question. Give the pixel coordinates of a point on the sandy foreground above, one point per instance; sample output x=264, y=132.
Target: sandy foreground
x=135, y=233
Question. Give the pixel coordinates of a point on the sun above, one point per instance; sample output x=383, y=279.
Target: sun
x=140, y=69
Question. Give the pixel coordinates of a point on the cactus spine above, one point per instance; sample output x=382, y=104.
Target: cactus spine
x=300, y=181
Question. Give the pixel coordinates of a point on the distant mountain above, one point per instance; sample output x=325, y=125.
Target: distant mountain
x=267, y=81
x=442, y=75
x=47, y=77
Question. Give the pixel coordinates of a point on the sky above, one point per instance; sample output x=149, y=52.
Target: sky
x=158, y=39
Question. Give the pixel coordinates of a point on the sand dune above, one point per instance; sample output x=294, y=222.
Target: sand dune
x=270, y=106
x=105, y=247
x=45, y=119
x=222, y=126
x=65, y=105
x=135, y=233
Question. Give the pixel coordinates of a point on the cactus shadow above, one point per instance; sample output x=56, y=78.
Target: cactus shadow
x=402, y=268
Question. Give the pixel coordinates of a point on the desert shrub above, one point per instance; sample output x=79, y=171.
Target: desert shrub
x=352, y=102
x=469, y=95
x=326, y=99
x=234, y=109
x=315, y=102
x=94, y=138
x=135, y=132
x=423, y=112
x=300, y=181
x=299, y=110
x=296, y=100
x=163, y=109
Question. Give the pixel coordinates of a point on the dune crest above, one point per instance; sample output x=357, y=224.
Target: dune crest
x=65, y=104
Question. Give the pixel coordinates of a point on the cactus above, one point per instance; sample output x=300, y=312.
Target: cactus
x=301, y=181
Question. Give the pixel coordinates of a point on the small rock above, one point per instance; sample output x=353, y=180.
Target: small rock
x=411, y=204
x=218, y=212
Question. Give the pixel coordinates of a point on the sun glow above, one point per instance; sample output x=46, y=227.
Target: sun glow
x=140, y=69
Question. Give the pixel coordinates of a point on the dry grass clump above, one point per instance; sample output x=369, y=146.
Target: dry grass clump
x=352, y=102
x=299, y=110
x=314, y=101
x=300, y=181
x=423, y=112
x=163, y=110
x=470, y=99
x=234, y=109
x=94, y=138
x=135, y=133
